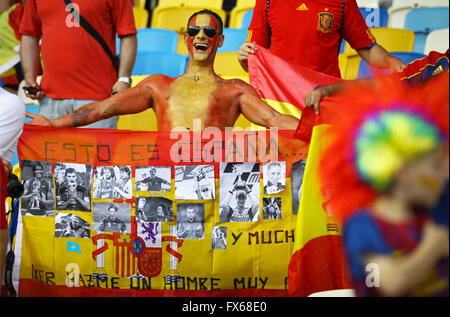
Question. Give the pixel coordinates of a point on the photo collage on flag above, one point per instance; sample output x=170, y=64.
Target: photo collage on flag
x=106, y=199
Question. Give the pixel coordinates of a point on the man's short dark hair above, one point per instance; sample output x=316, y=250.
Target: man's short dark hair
x=214, y=14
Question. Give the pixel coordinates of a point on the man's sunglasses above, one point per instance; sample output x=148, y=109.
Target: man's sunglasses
x=193, y=30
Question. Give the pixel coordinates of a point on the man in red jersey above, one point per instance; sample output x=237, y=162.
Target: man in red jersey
x=309, y=33
x=77, y=69
x=197, y=94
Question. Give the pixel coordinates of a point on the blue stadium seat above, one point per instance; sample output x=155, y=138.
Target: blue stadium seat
x=157, y=40
x=375, y=17
x=233, y=40
x=166, y=63
x=246, y=19
x=154, y=40
x=365, y=70
x=422, y=21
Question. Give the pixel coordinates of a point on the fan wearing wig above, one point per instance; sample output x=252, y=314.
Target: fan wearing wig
x=385, y=177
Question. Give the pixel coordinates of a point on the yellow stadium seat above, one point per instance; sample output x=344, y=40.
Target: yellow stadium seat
x=226, y=64
x=237, y=13
x=349, y=66
x=181, y=48
x=197, y=3
x=140, y=17
x=393, y=40
x=143, y=121
x=239, y=76
x=140, y=3
x=175, y=18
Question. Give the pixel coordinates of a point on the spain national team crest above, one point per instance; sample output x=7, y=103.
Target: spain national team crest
x=325, y=22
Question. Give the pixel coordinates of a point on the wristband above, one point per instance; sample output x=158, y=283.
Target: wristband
x=125, y=80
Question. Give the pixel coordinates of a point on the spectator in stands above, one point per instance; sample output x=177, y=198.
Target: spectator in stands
x=310, y=34
x=77, y=69
x=216, y=102
x=415, y=73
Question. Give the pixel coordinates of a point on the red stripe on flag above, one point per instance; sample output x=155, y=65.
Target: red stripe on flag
x=311, y=271
x=277, y=79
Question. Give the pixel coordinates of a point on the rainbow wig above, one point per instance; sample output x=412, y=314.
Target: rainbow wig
x=379, y=131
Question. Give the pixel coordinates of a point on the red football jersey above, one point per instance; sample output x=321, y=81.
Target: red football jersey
x=308, y=32
x=75, y=65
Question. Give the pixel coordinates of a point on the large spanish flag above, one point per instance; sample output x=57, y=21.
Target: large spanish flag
x=318, y=262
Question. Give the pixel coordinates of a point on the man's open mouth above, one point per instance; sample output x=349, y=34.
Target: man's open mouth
x=201, y=46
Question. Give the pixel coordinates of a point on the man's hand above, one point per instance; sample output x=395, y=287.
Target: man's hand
x=37, y=119
x=119, y=86
x=34, y=85
x=244, y=50
x=396, y=65
x=313, y=98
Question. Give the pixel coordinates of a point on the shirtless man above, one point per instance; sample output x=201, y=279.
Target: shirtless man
x=197, y=94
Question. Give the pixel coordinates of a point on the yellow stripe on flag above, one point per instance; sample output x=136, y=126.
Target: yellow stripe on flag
x=313, y=221
x=282, y=107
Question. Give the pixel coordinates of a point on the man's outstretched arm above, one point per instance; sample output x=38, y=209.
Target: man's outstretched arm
x=129, y=101
x=260, y=113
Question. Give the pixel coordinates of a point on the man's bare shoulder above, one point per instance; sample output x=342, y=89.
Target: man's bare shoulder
x=157, y=79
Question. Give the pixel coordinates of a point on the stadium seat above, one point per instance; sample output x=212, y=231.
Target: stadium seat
x=233, y=40
x=437, y=41
x=140, y=17
x=374, y=17
x=422, y=21
x=143, y=121
x=400, y=8
x=226, y=64
x=166, y=63
x=366, y=71
x=157, y=40
x=140, y=3
x=239, y=11
x=393, y=40
x=217, y=4
x=175, y=18
x=247, y=19
x=368, y=3
x=154, y=40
